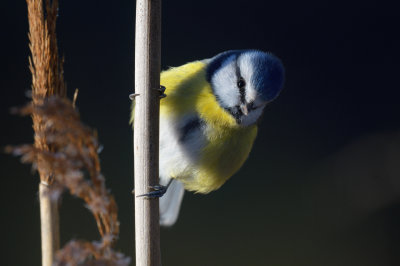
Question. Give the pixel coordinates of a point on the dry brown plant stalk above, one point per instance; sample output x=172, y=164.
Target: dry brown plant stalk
x=47, y=80
x=63, y=149
x=74, y=152
x=45, y=66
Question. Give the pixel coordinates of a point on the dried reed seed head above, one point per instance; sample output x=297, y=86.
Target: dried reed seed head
x=74, y=152
x=64, y=148
x=86, y=253
x=45, y=65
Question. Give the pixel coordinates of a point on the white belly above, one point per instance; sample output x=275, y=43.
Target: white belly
x=178, y=157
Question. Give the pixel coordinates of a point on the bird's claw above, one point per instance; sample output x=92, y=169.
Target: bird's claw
x=158, y=192
x=133, y=96
x=162, y=90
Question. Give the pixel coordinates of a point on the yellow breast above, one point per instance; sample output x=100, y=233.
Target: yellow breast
x=221, y=158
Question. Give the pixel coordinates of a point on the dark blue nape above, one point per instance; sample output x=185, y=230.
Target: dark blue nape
x=269, y=79
x=220, y=60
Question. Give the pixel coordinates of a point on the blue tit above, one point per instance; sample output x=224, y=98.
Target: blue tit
x=208, y=121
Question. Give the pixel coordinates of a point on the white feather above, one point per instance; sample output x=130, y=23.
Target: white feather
x=246, y=66
x=176, y=159
x=224, y=85
x=170, y=203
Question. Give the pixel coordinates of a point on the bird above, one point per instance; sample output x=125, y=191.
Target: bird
x=209, y=121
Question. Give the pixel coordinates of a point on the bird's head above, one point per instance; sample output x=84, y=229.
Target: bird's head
x=244, y=82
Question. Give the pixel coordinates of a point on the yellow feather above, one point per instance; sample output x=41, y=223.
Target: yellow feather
x=221, y=158
x=187, y=88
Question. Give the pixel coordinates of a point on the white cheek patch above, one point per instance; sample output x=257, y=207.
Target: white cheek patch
x=224, y=85
x=246, y=70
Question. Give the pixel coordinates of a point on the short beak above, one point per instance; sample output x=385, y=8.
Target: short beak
x=243, y=108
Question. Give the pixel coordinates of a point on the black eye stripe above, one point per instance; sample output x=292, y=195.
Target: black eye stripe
x=241, y=83
x=242, y=90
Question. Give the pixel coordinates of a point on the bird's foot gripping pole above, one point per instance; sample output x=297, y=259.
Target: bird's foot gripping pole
x=161, y=90
x=158, y=191
x=133, y=96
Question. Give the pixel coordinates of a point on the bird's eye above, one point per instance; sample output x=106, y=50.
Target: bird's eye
x=241, y=83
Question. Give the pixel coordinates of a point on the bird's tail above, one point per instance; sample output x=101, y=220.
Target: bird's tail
x=170, y=202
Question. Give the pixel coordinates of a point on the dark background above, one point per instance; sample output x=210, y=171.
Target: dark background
x=322, y=184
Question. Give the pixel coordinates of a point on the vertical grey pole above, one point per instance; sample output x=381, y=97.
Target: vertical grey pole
x=146, y=130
